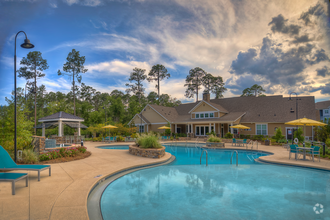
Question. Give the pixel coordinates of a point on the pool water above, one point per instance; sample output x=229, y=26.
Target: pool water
x=186, y=190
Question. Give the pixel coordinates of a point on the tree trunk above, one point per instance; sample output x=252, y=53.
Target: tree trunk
x=158, y=85
x=197, y=90
x=74, y=98
x=35, y=102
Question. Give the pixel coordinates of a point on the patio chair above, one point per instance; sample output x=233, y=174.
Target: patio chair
x=6, y=163
x=13, y=178
x=293, y=149
x=234, y=142
x=315, y=151
x=244, y=142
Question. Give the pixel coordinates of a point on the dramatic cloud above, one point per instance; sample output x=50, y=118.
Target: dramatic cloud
x=317, y=10
x=323, y=72
x=279, y=24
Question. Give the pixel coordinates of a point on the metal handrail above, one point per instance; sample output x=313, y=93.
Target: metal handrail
x=247, y=146
x=206, y=153
x=231, y=158
x=257, y=144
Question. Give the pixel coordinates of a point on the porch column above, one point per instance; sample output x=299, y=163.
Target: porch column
x=231, y=129
x=79, y=129
x=209, y=127
x=60, y=128
x=147, y=128
x=219, y=132
x=43, y=130
x=175, y=128
x=192, y=129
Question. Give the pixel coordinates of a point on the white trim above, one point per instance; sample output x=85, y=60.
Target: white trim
x=199, y=113
x=240, y=116
x=60, y=119
x=261, y=128
x=157, y=112
x=205, y=112
x=134, y=117
x=160, y=123
x=204, y=102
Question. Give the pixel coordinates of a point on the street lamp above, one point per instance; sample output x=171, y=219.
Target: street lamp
x=26, y=45
x=296, y=109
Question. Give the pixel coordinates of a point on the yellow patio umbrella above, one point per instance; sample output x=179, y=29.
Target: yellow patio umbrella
x=239, y=126
x=164, y=127
x=109, y=126
x=305, y=122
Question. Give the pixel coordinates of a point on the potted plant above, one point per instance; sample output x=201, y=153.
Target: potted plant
x=215, y=141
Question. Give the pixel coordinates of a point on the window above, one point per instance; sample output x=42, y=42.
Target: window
x=207, y=130
x=197, y=130
x=197, y=115
x=211, y=115
x=326, y=111
x=141, y=128
x=202, y=115
x=261, y=129
x=206, y=115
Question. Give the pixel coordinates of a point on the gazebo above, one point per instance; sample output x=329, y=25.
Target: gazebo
x=59, y=119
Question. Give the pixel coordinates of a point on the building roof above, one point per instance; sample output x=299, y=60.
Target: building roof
x=275, y=109
x=61, y=116
x=322, y=105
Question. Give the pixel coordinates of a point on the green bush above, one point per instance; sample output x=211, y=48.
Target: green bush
x=258, y=137
x=283, y=141
x=120, y=139
x=299, y=134
x=278, y=136
x=211, y=133
x=97, y=139
x=213, y=138
x=148, y=141
x=229, y=135
x=327, y=142
x=29, y=157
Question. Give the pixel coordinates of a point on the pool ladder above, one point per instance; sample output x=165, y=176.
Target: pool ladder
x=231, y=158
x=206, y=154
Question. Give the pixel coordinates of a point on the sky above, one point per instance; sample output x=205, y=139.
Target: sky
x=282, y=45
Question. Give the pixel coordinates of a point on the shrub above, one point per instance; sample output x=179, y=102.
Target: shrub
x=213, y=138
x=120, y=138
x=327, y=142
x=283, y=141
x=29, y=157
x=258, y=137
x=148, y=141
x=82, y=149
x=299, y=134
x=134, y=135
x=229, y=135
x=45, y=156
x=278, y=136
x=97, y=139
x=211, y=133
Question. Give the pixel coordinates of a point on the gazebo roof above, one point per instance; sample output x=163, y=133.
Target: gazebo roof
x=63, y=116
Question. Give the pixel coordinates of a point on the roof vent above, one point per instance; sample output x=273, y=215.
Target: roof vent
x=259, y=114
x=291, y=110
x=274, y=114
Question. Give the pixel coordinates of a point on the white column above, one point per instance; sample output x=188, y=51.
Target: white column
x=219, y=130
x=79, y=129
x=43, y=130
x=176, y=128
x=232, y=129
x=60, y=128
x=209, y=127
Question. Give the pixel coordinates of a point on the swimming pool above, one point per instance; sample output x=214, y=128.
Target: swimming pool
x=186, y=190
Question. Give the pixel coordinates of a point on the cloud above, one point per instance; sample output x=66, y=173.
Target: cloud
x=115, y=67
x=302, y=39
x=323, y=72
x=279, y=24
x=316, y=10
x=92, y=3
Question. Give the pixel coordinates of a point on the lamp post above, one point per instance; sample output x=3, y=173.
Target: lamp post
x=296, y=109
x=26, y=45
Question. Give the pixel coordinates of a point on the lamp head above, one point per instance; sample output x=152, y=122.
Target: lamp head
x=27, y=44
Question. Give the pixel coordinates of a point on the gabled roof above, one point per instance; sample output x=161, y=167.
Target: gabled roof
x=213, y=105
x=141, y=117
x=322, y=105
x=61, y=116
x=168, y=113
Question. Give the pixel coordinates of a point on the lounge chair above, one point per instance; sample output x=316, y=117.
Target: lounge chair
x=13, y=178
x=234, y=142
x=314, y=151
x=244, y=142
x=6, y=163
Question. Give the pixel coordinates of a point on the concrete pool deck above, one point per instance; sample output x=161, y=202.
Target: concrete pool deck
x=64, y=194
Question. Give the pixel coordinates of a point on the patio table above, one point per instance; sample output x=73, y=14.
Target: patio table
x=304, y=149
x=239, y=142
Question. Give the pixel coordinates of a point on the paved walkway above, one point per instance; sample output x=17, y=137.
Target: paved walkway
x=64, y=194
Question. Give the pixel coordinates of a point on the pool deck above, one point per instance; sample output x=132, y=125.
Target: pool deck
x=64, y=194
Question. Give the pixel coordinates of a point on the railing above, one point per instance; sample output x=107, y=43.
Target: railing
x=206, y=154
x=231, y=158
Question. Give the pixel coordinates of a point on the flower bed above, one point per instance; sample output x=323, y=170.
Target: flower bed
x=69, y=152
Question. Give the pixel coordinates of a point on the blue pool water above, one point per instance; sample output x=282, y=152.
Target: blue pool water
x=186, y=190
x=116, y=147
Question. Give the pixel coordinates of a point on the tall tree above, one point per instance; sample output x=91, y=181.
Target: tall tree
x=138, y=75
x=158, y=73
x=218, y=87
x=254, y=90
x=73, y=67
x=194, y=82
x=33, y=64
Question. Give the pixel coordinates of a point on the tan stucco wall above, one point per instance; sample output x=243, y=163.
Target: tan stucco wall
x=253, y=129
x=216, y=114
x=192, y=115
x=152, y=116
x=137, y=120
x=204, y=107
x=237, y=121
x=271, y=129
x=222, y=114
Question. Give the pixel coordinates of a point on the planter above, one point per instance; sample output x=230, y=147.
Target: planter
x=215, y=144
x=147, y=152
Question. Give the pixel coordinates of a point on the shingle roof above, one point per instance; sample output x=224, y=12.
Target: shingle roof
x=322, y=105
x=144, y=119
x=169, y=113
x=60, y=115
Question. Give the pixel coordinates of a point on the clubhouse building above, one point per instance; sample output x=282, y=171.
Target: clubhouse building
x=262, y=114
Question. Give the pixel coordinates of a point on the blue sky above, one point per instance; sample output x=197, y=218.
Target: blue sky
x=282, y=45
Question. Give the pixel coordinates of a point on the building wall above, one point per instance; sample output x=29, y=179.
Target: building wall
x=222, y=114
x=137, y=120
x=152, y=116
x=250, y=125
